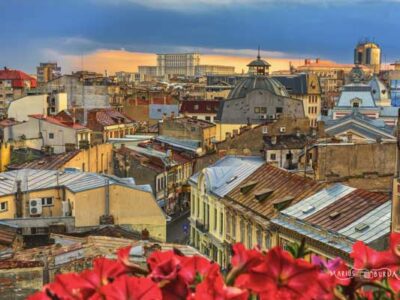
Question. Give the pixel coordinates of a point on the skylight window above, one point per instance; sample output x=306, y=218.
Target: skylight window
x=231, y=179
x=308, y=209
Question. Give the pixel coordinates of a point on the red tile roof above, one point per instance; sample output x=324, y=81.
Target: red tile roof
x=17, y=77
x=8, y=122
x=58, y=121
x=7, y=235
x=283, y=184
x=199, y=107
x=106, y=117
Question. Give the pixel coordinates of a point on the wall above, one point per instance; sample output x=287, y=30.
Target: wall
x=135, y=208
x=96, y=159
x=21, y=108
x=139, y=210
x=5, y=156
x=18, y=283
x=366, y=165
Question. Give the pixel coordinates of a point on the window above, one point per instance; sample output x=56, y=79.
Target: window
x=228, y=223
x=51, y=135
x=233, y=226
x=267, y=240
x=48, y=201
x=356, y=104
x=208, y=118
x=83, y=167
x=249, y=236
x=259, y=237
x=279, y=110
x=263, y=110
x=256, y=110
x=196, y=107
x=3, y=206
x=272, y=156
x=242, y=230
x=215, y=219
x=221, y=225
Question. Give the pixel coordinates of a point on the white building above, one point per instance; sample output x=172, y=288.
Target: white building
x=47, y=132
x=50, y=104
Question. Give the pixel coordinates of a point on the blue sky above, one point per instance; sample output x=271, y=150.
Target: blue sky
x=43, y=29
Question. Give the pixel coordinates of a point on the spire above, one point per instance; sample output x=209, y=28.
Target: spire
x=258, y=56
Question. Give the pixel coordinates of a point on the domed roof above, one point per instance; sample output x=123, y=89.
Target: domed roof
x=254, y=82
x=259, y=63
x=378, y=89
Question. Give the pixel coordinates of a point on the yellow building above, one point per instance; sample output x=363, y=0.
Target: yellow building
x=5, y=156
x=36, y=200
x=97, y=158
x=208, y=187
x=234, y=201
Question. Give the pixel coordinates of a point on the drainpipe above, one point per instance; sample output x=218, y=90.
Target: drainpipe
x=107, y=198
x=18, y=200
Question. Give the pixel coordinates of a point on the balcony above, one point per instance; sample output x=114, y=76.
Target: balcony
x=201, y=227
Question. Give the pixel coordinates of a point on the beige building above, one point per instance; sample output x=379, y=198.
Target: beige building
x=97, y=159
x=307, y=88
x=177, y=64
x=203, y=70
x=47, y=71
x=36, y=200
x=200, y=131
x=369, y=54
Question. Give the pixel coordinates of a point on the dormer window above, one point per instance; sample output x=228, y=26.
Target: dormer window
x=356, y=104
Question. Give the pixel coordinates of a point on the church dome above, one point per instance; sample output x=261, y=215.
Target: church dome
x=254, y=82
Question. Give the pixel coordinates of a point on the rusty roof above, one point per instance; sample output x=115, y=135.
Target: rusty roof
x=51, y=162
x=17, y=264
x=347, y=209
x=7, y=234
x=285, y=186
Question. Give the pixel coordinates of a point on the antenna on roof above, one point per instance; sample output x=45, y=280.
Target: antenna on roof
x=258, y=56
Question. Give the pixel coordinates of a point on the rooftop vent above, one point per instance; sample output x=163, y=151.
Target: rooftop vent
x=231, y=179
x=334, y=215
x=308, y=209
x=245, y=188
x=263, y=194
x=280, y=204
x=361, y=227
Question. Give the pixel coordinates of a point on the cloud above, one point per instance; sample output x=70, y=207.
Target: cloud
x=122, y=60
x=194, y=5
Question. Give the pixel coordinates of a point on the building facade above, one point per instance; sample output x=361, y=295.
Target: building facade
x=177, y=64
x=47, y=71
x=369, y=54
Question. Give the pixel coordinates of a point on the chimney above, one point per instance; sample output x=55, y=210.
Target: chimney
x=73, y=115
x=172, y=115
x=317, y=60
x=274, y=139
x=19, y=199
x=145, y=235
x=307, y=61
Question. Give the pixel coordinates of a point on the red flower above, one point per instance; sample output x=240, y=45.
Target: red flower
x=367, y=258
x=213, y=288
x=280, y=276
x=131, y=288
x=245, y=259
x=192, y=267
x=123, y=258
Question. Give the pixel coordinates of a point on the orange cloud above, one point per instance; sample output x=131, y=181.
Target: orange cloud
x=120, y=60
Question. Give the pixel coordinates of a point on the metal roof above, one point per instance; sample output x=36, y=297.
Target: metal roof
x=191, y=145
x=352, y=91
x=228, y=172
x=379, y=221
x=319, y=201
x=75, y=181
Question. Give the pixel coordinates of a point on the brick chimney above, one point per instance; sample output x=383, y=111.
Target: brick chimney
x=19, y=200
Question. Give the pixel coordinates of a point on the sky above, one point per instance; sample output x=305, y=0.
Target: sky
x=116, y=35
